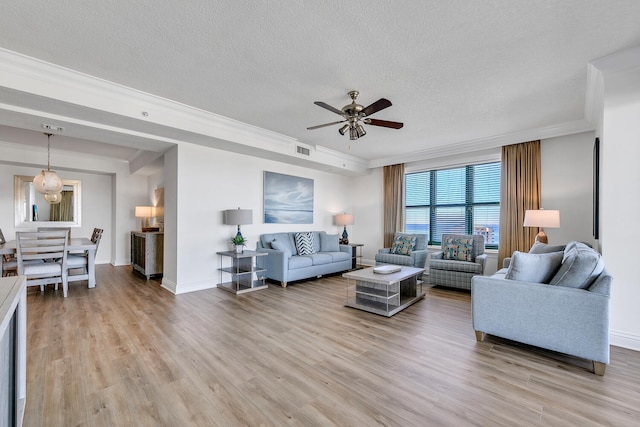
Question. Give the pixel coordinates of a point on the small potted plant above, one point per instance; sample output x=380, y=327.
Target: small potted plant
x=239, y=243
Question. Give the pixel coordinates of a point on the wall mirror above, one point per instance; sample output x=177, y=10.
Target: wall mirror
x=32, y=210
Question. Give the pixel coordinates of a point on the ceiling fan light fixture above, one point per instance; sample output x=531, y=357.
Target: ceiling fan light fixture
x=360, y=130
x=353, y=133
x=343, y=129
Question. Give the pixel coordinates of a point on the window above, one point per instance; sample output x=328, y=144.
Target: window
x=462, y=200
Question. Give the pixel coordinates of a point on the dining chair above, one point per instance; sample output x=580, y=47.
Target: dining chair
x=44, y=246
x=10, y=261
x=76, y=261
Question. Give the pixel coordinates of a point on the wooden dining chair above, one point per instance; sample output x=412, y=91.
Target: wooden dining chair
x=76, y=261
x=50, y=247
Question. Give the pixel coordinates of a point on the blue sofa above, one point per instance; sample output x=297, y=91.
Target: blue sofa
x=284, y=264
x=554, y=300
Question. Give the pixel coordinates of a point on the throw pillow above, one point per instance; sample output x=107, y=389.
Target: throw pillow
x=304, y=243
x=329, y=243
x=543, y=248
x=281, y=246
x=458, y=249
x=536, y=268
x=403, y=244
x=581, y=266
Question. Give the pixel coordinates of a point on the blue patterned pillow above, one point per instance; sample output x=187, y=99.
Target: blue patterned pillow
x=458, y=249
x=304, y=243
x=403, y=244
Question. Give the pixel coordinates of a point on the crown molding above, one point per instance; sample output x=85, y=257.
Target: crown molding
x=560, y=129
x=154, y=117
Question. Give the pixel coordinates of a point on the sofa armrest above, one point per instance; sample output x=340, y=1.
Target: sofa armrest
x=482, y=260
x=276, y=263
x=384, y=251
x=345, y=248
x=506, y=262
x=567, y=320
x=437, y=255
x=419, y=258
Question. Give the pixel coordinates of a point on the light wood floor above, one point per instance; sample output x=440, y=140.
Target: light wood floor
x=129, y=353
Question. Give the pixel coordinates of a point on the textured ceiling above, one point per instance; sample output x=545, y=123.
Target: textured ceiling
x=456, y=71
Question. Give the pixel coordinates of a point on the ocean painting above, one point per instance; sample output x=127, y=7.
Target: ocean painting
x=287, y=199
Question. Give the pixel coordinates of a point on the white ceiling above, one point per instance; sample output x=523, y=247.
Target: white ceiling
x=456, y=71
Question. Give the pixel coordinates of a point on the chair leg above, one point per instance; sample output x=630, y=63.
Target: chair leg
x=480, y=336
x=41, y=288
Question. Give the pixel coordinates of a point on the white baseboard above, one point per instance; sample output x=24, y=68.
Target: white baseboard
x=183, y=288
x=169, y=285
x=624, y=340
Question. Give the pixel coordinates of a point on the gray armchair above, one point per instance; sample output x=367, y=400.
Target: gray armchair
x=455, y=273
x=416, y=258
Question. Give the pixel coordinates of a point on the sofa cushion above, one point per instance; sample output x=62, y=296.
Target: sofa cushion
x=296, y=262
x=281, y=245
x=536, y=268
x=320, y=259
x=543, y=248
x=283, y=238
x=458, y=249
x=338, y=256
x=304, y=243
x=455, y=266
x=329, y=243
x=403, y=244
x=581, y=266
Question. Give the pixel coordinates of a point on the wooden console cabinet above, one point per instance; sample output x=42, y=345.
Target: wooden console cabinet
x=147, y=252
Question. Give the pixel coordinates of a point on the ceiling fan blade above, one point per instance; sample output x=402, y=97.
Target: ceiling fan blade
x=329, y=107
x=384, y=123
x=326, y=124
x=380, y=104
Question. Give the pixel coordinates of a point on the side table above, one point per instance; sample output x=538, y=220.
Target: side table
x=242, y=271
x=355, y=254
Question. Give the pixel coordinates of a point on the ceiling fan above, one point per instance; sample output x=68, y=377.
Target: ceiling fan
x=356, y=114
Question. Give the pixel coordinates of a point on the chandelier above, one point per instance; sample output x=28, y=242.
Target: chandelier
x=47, y=181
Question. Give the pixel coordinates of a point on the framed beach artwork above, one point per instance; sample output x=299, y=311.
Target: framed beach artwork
x=287, y=199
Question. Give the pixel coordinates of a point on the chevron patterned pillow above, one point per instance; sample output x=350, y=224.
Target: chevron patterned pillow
x=304, y=243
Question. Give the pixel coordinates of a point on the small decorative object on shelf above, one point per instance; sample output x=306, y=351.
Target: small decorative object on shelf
x=239, y=242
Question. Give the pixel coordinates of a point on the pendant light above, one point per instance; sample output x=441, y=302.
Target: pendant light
x=48, y=182
x=53, y=199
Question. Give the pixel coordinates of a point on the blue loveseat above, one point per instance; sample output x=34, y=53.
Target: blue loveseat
x=284, y=264
x=554, y=300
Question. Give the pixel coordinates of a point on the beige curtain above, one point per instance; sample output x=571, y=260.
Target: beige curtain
x=63, y=211
x=393, y=202
x=520, y=183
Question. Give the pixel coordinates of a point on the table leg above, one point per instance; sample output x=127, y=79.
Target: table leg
x=91, y=267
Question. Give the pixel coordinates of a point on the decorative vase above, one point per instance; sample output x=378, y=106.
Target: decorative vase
x=239, y=249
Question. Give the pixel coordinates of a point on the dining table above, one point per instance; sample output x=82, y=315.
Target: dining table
x=75, y=244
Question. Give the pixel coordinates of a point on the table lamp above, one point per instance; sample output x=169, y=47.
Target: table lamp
x=238, y=217
x=542, y=218
x=344, y=219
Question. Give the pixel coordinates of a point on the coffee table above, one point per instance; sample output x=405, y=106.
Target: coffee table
x=383, y=294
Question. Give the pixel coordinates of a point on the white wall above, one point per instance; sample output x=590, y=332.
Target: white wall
x=209, y=181
x=567, y=185
x=620, y=202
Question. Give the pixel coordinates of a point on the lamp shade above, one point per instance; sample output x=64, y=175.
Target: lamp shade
x=238, y=216
x=542, y=218
x=47, y=182
x=344, y=219
x=144, y=211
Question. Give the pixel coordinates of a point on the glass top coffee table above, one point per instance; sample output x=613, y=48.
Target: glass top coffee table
x=383, y=294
